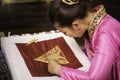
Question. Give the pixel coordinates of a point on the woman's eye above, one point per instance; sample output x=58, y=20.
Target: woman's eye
x=64, y=33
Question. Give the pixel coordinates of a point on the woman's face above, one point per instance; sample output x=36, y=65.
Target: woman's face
x=77, y=30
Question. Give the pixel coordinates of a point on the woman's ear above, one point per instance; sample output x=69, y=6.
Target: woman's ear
x=75, y=25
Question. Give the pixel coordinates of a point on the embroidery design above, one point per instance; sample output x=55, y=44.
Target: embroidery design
x=53, y=54
x=96, y=21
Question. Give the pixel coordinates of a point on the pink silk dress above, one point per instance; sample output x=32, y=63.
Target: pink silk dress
x=104, y=44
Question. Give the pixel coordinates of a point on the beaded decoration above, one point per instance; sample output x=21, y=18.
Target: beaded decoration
x=96, y=21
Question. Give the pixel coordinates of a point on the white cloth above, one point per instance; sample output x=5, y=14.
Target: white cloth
x=18, y=68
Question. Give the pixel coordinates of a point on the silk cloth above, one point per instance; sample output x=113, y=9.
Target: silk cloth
x=105, y=44
x=37, y=68
x=16, y=63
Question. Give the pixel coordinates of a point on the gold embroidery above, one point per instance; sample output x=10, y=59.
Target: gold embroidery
x=53, y=54
x=92, y=53
x=96, y=21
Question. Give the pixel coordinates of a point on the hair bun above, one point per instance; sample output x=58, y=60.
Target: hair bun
x=70, y=2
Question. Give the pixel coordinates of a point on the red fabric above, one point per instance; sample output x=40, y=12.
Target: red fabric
x=34, y=50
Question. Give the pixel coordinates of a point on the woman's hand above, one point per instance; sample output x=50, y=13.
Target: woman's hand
x=54, y=67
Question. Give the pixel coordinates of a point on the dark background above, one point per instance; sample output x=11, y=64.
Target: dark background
x=32, y=17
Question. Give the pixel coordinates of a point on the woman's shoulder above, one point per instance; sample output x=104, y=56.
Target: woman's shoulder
x=109, y=24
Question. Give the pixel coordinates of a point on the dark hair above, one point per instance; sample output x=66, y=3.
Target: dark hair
x=65, y=14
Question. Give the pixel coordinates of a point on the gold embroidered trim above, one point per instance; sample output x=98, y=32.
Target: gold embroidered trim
x=92, y=53
x=96, y=21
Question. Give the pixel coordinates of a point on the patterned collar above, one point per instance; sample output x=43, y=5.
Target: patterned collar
x=99, y=15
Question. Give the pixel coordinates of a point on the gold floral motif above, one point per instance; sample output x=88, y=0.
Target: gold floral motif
x=96, y=21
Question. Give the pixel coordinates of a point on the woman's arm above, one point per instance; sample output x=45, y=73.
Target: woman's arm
x=101, y=64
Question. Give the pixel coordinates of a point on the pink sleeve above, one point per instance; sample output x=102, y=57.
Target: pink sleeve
x=104, y=56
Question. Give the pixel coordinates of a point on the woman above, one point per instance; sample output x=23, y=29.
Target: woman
x=77, y=18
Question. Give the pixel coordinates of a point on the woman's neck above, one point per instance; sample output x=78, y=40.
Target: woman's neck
x=89, y=17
